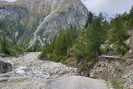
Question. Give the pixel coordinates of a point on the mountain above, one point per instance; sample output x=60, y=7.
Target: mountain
x=35, y=22
x=106, y=16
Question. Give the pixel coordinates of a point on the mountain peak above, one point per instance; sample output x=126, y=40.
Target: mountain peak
x=106, y=16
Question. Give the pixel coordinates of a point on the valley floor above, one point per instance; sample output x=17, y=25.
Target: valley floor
x=30, y=73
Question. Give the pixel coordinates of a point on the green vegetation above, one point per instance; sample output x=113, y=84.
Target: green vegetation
x=57, y=49
x=19, y=80
x=11, y=50
x=119, y=34
x=22, y=23
x=6, y=47
x=81, y=48
x=34, y=49
x=62, y=12
x=88, y=43
x=116, y=84
x=89, y=20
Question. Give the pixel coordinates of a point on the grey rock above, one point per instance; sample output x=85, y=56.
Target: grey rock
x=3, y=79
x=76, y=82
x=131, y=86
x=5, y=67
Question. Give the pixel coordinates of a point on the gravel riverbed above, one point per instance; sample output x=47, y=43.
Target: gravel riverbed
x=28, y=72
x=31, y=73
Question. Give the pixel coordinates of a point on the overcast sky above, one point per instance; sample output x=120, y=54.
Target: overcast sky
x=10, y=0
x=110, y=7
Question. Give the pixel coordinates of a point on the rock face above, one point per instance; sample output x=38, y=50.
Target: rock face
x=77, y=82
x=41, y=20
x=127, y=68
x=106, y=68
x=112, y=68
x=5, y=67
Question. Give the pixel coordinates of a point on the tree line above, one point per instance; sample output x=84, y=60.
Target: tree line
x=82, y=47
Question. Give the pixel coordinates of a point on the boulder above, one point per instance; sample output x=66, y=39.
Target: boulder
x=5, y=67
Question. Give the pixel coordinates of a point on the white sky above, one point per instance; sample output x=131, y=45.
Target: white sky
x=110, y=7
x=10, y=0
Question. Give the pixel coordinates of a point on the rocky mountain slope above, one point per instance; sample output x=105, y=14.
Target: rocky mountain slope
x=35, y=22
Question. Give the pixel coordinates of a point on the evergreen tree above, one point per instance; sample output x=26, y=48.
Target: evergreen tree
x=80, y=46
x=97, y=34
x=5, y=45
x=131, y=11
x=89, y=20
x=131, y=18
x=118, y=35
x=87, y=46
x=57, y=49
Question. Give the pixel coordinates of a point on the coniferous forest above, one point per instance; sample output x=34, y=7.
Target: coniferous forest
x=98, y=37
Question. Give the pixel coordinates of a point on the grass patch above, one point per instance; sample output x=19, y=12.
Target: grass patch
x=5, y=56
x=116, y=84
x=19, y=80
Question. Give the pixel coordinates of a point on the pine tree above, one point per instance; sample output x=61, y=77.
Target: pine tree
x=131, y=11
x=97, y=34
x=80, y=46
x=131, y=18
x=87, y=46
x=118, y=35
x=5, y=46
x=89, y=20
x=57, y=49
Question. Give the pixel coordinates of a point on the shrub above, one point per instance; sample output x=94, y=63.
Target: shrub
x=122, y=49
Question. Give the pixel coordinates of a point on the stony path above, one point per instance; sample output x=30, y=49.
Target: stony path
x=31, y=73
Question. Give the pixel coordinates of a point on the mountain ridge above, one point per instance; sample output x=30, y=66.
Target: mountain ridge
x=44, y=18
